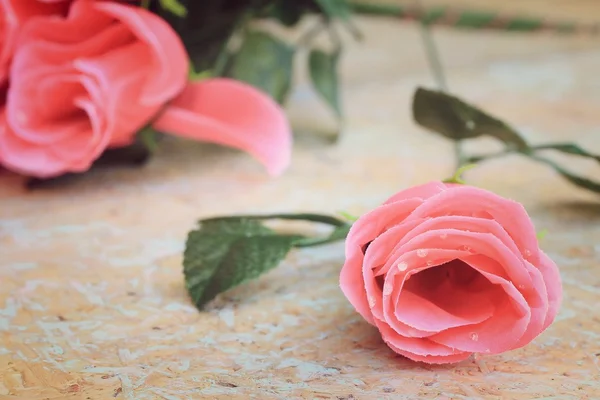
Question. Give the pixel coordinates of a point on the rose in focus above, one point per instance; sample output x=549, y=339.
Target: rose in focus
x=446, y=270
x=91, y=80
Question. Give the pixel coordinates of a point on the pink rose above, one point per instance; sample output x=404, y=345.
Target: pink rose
x=91, y=81
x=82, y=84
x=13, y=15
x=445, y=271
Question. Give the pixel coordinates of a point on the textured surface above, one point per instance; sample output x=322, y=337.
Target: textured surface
x=92, y=302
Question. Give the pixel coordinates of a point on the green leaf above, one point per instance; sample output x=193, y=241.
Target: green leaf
x=227, y=251
x=448, y=115
x=324, y=75
x=574, y=179
x=568, y=148
x=174, y=6
x=287, y=12
x=335, y=8
x=266, y=63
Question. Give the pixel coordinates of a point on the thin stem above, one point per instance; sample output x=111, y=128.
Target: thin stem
x=146, y=4
x=310, y=34
x=437, y=69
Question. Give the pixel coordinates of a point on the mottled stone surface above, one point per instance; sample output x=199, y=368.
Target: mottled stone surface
x=92, y=302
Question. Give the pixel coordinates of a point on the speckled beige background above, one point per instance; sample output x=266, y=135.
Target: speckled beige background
x=92, y=302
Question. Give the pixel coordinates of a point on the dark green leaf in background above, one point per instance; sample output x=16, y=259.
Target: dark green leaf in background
x=335, y=8
x=574, y=179
x=448, y=115
x=323, y=68
x=266, y=63
x=568, y=148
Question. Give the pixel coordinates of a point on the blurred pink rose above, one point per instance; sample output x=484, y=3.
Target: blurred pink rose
x=13, y=15
x=91, y=81
x=445, y=271
x=81, y=84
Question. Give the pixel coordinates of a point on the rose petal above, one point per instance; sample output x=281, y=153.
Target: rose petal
x=513, y=264
x=477, y=243
x=433, y=300
x=430, y=359
x=422, y=192
x=471, y=201
x=363, y=231
x=233, y=114
x=497, y=334
x=537, y=299
x=551, y=277
x=171, y=63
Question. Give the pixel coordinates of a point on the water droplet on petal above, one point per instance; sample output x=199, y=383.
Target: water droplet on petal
x=430, y=263
x=474, y=336
x=443, y=236
x=527, y=252
x=521, y=286
x=372, y=301
x=402, y=266
x=422, y=253
x=387, y=289
x=487, y=350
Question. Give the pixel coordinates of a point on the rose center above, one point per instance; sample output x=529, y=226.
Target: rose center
x=448, y=295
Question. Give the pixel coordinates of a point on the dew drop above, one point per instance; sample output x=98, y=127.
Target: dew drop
x=372, y=301
x=387, y=290
x=430, y=263
x=422, y=253
x=527, y=252
x=474, y=336
x=402, y=266
x=521, y=286
x=443, y=236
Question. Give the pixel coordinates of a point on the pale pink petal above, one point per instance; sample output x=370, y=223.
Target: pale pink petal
x=553, y=283
x=169, y=59
x=471, y=201
x=513, y=265
x=422, y=192
x=436, y=298
x=537, y=299
x=497, y=334
x=363, y=231
x=233, y=114
x=429, y=359
x=475, y=242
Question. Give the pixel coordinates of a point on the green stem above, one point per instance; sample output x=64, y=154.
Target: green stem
x=437, y=69
x=146, y=4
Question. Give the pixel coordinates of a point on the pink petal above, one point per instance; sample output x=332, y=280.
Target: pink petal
x=422, y=192
x=471, y=201
x=537, y=300
x=169, y=57
x=436, y=299
x=513, y=267
x=497, y=334
x=429, y=359
x=552, y=280
x=366, y=229
x=396, y=278
x=233, y=114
